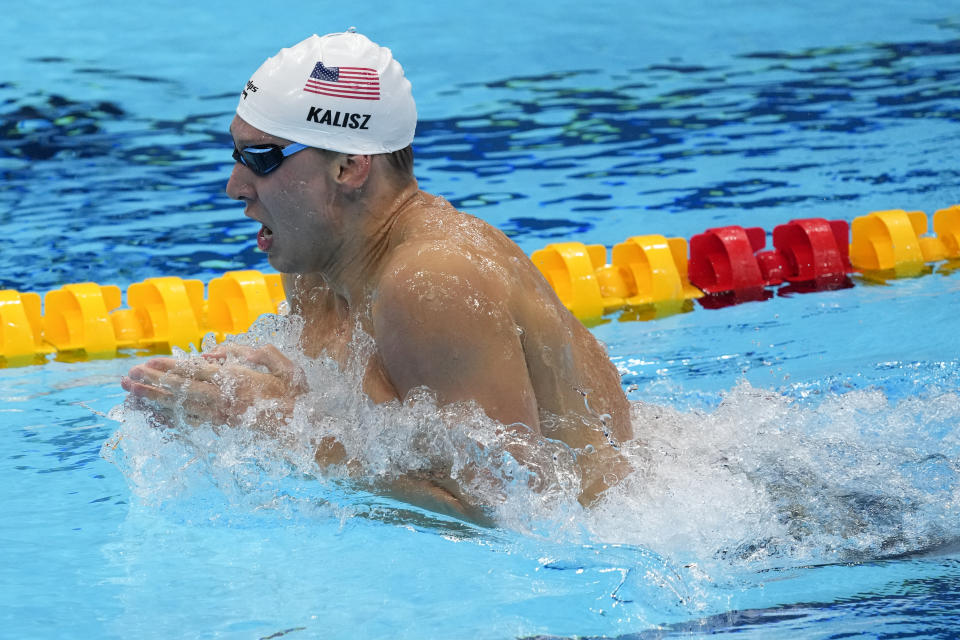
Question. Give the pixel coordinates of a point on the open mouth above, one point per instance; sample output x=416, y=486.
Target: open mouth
x=265, y=238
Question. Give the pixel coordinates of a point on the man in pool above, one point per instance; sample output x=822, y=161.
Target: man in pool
x=322, y=141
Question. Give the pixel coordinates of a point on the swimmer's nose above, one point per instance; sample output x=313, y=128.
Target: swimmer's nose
x=239, y=186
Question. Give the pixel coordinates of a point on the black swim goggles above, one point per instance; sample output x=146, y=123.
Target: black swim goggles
x=264, y=158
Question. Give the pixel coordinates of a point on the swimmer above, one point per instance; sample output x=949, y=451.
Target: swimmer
x=322, y=139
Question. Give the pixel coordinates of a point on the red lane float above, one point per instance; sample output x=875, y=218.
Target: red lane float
x=724, y=260
x=723, y=263
x=812, y=250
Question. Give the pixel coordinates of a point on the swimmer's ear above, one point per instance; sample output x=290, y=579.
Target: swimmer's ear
x=353, y=170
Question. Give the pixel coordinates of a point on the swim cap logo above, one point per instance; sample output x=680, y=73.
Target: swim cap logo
x=356, y=83
x=337, y=119
x=250, y=87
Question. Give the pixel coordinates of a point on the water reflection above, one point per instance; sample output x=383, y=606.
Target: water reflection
x=88, y=183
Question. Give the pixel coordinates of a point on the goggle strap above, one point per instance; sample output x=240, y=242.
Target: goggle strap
x=292, y=148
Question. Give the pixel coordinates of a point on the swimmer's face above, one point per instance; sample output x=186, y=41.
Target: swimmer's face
x=293, y=202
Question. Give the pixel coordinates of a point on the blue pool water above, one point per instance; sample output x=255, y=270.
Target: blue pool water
x=801, y=453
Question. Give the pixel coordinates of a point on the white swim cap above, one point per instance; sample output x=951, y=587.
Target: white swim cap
x=340, y=92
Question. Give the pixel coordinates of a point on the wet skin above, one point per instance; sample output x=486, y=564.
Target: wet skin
x=451, y=303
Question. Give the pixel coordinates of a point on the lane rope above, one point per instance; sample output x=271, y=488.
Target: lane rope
x=647, y=276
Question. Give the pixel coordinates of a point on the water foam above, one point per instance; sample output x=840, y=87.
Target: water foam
x=764, y=479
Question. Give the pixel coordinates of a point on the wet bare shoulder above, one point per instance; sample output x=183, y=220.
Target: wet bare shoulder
x=433, y=218
x=443, y=321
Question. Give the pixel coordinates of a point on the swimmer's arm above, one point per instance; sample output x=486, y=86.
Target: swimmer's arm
x=447, y=327
x=428, y=494
x=425, y=490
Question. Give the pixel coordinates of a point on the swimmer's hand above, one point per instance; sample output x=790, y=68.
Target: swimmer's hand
x=219, y=387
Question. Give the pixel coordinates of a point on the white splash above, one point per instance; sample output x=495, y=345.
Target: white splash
x=767, y=480
x=764, y=479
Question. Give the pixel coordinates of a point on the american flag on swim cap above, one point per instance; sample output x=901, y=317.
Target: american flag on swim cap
x=358, y=83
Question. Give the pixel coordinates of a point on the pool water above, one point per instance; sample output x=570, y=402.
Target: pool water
x=801, y=453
